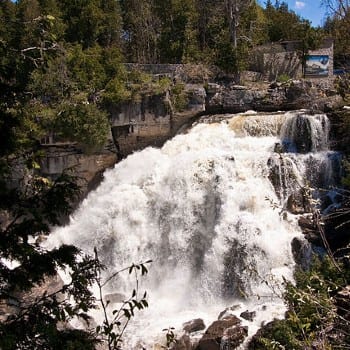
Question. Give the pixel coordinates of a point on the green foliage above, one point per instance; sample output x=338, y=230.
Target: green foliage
x=39, y=321
x=312, y=319
x=179, y=97
x=342, y=84
x=85, y=123
x=31, y=210
x=114, y=325
x=170, y=337
x=133, y=86
x=283, y=78
x=346, y=177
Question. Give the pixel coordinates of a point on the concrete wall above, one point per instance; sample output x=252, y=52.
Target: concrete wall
x=273, y=60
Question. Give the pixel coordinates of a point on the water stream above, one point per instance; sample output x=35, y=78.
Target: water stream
x=209, y=209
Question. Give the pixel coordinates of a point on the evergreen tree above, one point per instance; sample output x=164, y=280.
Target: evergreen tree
x=141, y=30
x=178, y=34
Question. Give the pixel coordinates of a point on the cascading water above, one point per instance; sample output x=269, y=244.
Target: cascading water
x=203, y=209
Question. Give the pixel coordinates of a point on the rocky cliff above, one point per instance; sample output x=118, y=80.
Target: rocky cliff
x=153, y=119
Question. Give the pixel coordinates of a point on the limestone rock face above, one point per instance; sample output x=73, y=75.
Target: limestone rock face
x=88, y=167
x=287, y=96
x=153, y=119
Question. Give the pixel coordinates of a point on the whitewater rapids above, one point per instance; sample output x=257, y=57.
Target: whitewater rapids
x=204, y=210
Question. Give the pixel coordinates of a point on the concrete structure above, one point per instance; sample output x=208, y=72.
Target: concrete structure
x=285, y=58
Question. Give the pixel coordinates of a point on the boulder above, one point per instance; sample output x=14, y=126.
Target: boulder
x=247, y=315
x=194, y=325
x=302, y=252
x=183, y=343
x=233, y=337
x=309, y=229
x=299, y=202
x=212, y=339
x=227, y=311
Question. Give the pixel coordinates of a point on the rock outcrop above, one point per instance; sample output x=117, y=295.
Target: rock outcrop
x=154, y=119
x=87, y=167
x=287, y=96
x=227, y=333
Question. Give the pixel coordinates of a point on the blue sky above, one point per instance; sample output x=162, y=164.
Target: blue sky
x=309, y=9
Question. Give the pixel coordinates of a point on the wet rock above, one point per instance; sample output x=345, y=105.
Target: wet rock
x=282, y=175
x=233, y=337
x=302, y=252
x=211, y=340
x=194, y=325
x=309, y=229
x=183, y=343
x=227, y=311
x=306, y=222
x=51, y=285
x=294, y=204
x=247, y=315
x=299, y=202
x=278, y=148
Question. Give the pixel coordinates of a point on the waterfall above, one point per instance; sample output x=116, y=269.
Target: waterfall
x=206, y=208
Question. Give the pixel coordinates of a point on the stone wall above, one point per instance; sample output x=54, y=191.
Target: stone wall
x=275, y=59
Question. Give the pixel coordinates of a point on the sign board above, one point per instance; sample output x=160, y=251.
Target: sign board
x=317, y=66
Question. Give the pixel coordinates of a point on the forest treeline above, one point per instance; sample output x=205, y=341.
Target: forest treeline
x=61, y=62
x=153, y=31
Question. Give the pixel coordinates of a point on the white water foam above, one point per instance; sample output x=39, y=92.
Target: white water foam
x=201, y=209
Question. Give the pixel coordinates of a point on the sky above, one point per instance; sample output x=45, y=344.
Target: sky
x=308, y=9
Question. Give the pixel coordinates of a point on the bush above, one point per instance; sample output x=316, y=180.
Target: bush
x=312, y=320
x=283, y=78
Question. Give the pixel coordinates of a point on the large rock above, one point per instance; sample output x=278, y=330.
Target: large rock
x=309, y=228
x=226, y=333
x=50, y=286
x=153, y=119
x=183, y=343
x=233, y=337
x=248, y=315
x=194, y=325
x=87, y=167
x=302, y=252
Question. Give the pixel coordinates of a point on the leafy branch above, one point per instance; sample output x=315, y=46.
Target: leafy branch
x=113, y=327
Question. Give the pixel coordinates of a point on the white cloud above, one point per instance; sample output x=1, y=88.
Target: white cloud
x=299, y=5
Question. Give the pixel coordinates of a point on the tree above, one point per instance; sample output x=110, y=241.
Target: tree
x=141, y=30
x=338, y=25
x=178, y=37
x=40, y=320
x=339, y=8
x=234, y=10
